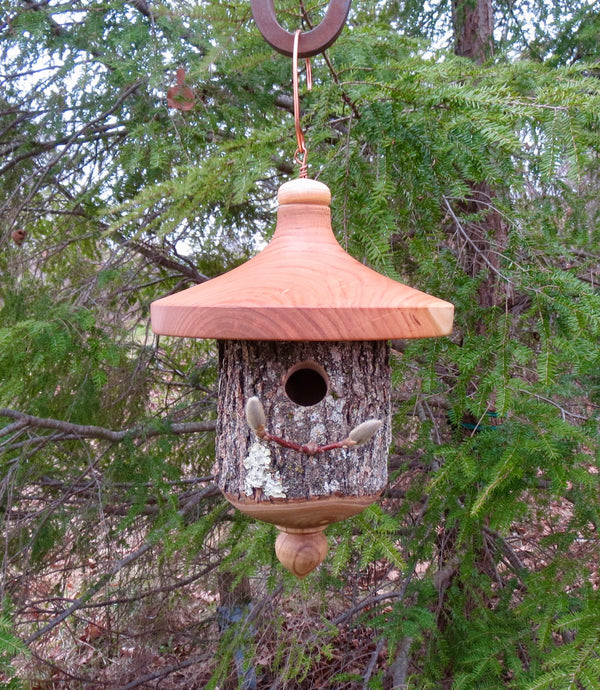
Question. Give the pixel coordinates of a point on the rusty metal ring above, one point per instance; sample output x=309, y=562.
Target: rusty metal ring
x=311, y=42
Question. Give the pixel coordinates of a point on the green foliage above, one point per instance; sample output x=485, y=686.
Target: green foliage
x=53, y=356
x=10, y=646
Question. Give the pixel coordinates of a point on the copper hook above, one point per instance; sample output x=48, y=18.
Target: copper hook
x=311, y=42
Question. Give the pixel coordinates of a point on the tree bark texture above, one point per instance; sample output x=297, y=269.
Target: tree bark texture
x=357, y=384
x=473, y=29
x=487, y=238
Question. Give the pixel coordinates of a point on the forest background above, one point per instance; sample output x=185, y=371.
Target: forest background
x=461, y=142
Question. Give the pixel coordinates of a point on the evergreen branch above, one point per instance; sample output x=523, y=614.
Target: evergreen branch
x=78, y=431
x=563, y=411
x=55, y=27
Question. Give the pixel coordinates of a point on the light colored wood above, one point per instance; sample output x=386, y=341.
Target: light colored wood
x=303, y=515
x=302, y=286
x=301, y=553
x=304, y=191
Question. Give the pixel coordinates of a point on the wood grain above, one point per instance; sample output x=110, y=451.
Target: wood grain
x=301, y=553
x=302, y=286
x=306, y=515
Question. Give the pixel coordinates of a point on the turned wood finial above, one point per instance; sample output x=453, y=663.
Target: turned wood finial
x=301, y=553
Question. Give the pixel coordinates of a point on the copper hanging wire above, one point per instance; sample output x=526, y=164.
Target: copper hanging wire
x=301, y=155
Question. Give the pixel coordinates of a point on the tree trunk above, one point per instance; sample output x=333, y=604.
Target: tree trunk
x=473, y=29
x=486, y=236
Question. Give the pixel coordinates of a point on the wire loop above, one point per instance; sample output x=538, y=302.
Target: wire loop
x=301, y=154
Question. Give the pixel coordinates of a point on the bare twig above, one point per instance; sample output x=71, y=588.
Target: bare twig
x=64, y=150
x=372, y=663
x=469, y=240
x=369, y=601
x=163, y=672
x=117, y=567
x=506, y=550
x=90, y=592
x=156, y=257
x=361, y=434
x=165, y=589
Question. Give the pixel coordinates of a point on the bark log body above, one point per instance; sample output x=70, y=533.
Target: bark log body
x=357, y=380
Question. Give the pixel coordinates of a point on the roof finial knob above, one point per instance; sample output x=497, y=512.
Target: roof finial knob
x=304, y=191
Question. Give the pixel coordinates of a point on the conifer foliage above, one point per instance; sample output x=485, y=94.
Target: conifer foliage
x=472, y=179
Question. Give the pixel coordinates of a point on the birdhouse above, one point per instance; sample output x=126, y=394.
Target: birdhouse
x=304, y=407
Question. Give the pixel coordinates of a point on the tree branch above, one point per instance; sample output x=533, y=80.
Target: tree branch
x=164, y=589
x=372, y=663
x=163, y=672
x=399, y=668
x=123, y=96
x=77, y=431
x=102, y=132
x=143, y=7
x=55, y=27
x=482, y=255
x=160, y=259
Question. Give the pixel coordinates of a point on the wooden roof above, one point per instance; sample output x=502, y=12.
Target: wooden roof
x=302, y=286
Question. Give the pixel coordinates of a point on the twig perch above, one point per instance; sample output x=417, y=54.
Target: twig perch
x=256, y=418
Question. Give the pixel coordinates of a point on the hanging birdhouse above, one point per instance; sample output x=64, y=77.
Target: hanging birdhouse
x=304, y=382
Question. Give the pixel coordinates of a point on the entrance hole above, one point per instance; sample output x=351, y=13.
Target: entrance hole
x=306, y=384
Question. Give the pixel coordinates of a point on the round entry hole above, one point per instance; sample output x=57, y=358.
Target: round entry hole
x=306, y=384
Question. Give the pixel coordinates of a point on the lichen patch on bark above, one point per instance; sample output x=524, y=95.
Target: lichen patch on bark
x=259, y=474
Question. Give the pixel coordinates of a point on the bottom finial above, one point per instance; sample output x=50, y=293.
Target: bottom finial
x=301, y=552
